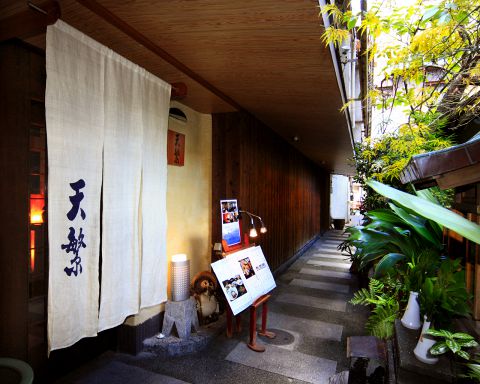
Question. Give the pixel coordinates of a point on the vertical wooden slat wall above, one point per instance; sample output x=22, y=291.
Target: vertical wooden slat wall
x=270, y=178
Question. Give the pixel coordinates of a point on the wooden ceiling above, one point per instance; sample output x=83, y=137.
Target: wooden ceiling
x=264, y=56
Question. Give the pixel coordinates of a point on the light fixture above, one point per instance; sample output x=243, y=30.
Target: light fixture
x=253, y=231
x=180, y=277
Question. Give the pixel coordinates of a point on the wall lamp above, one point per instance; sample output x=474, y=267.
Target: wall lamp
x=253, y=230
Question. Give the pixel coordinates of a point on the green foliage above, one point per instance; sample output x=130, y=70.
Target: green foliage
x=397, y=235
x=383, y=160
x=444, y=296
x=380, y=323
x=430, y=210
x=473, y=370
x=431, y=72
x=374, y=294
x=384, y=299
x=431, y=57
x=453, y=342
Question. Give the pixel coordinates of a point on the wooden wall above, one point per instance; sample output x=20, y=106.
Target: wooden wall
x=270, y=178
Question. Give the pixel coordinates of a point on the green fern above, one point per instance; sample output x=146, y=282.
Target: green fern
x=386, y=307
x=374, y=294
x=381, y=321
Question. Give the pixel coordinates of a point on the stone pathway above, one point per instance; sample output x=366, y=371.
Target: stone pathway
x=310, y=313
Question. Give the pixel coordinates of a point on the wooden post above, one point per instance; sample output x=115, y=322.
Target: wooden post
x=262, y=300
x=263, y=331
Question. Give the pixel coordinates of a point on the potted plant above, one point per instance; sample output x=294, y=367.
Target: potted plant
x=452, y=342
x=441, y=298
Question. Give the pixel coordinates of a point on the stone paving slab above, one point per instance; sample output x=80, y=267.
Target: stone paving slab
x=330, y=256
x=325, y=286
x=116, y=372
x=326, y=273
x=313, y=302
x=327, y=250
x=329, y=264
x=293, y=364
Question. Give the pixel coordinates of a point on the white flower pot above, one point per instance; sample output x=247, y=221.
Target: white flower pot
x=425, y=342
x=411, y=317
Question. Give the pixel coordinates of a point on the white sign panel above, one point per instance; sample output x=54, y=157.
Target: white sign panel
x=244, y=276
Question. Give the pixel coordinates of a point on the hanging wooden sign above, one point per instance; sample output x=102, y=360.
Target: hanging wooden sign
x=176, y=148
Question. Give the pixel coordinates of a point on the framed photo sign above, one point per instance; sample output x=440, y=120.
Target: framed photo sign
x=175, y=148
x=230, y=223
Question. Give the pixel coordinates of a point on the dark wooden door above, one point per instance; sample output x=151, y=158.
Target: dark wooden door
x=23, y=259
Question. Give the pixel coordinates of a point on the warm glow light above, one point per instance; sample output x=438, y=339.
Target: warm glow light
x=180, y=277
x=263, y=229
x=179, y=257
x=36, y=218
x=253, y=232
x=36, y=210
x=32, y=251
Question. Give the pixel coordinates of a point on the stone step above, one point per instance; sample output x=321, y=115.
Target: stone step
x=326, y=273
x=313, y=302
x=324, y=286
x=340, y=265
x=292, y=364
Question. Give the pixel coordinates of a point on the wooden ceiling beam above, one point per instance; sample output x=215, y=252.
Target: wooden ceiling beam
x=30, y=22
x=130, y=31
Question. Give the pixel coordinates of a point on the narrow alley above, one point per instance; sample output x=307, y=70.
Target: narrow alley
x=309, y=312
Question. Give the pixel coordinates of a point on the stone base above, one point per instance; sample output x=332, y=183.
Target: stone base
x=182, y=315
x=411, y=371
x=173, y=346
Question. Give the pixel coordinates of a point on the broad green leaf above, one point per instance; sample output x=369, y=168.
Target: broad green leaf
x=462, y=336
x=427, y=195
x=385, y=215
x=387, y=262
x=445, y=18
x=417, y=224
x=453, y=345
x=435, y=332
x=431, y=211
x=439, y=348
x=464, y=354
x=461, y=16
x=351, y=23
x=430, y=13
x=468, y=344
x=428, y=290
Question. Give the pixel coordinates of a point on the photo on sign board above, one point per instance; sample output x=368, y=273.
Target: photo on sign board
x=230, y=223
x=247, y=267
x=234, y=287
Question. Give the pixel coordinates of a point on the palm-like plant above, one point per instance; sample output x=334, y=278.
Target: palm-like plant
x=394, y=235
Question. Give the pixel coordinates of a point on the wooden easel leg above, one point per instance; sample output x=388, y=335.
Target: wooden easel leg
x=229, y=323
x=253, y=332
x=238, y=323
x=263, y=331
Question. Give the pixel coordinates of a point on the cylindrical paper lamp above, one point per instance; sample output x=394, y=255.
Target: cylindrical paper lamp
x=180, y=277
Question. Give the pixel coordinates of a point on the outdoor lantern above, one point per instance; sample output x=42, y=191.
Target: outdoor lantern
x=253, y=231
x=180, y=277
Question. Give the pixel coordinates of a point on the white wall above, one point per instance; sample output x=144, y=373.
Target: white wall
x=339, y=197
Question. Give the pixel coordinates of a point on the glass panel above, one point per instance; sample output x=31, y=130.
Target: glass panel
x=35, y=184
x=37, y=112
x=34, y=162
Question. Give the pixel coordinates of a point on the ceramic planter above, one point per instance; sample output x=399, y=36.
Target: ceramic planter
x=425, y=342
x=411, y=317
